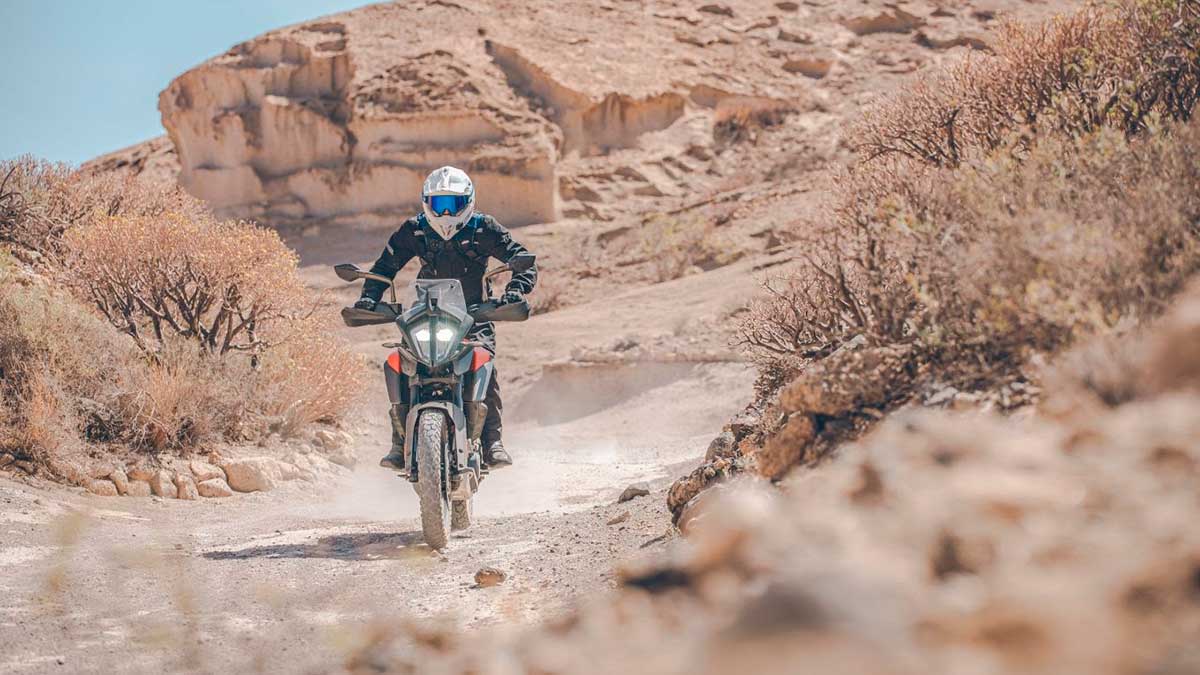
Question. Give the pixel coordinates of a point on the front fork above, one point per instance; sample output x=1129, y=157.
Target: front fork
x=474, y=386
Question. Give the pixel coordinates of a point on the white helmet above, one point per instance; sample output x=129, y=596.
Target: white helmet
x=448, y=198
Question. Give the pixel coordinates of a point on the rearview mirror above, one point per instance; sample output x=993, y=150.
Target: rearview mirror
x=521, y=262
x=348, y=272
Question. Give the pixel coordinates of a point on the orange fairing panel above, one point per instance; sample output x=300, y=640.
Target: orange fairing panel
x=393, y=361
x=480, y=357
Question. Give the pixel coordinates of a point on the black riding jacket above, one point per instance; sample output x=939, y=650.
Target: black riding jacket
x=463, y=257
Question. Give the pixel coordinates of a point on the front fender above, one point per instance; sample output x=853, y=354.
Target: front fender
x=458, y=430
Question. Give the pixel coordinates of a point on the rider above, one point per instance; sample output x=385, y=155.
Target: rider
x=453, y=242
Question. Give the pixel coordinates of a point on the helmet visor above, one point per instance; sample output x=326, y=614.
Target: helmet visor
x=447, y=205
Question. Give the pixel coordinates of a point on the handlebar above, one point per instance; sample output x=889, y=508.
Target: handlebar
x=386, y=312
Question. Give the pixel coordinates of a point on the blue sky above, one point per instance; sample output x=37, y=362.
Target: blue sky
x=79, y=78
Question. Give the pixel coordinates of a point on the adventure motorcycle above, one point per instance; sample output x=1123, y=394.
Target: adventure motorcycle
x=448, y=378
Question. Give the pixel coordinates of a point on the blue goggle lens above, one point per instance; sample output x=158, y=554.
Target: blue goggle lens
x=448, y=205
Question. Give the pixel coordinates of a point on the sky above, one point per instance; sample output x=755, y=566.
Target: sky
x=80, y=78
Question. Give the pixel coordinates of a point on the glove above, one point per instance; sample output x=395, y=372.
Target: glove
x=511, y=297
x=366, y=303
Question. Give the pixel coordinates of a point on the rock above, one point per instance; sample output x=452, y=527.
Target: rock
x=214, y=488
x=300, y=466
x=936, y=39
x=798, y=38
x=633, y=492
x=721, y=10
x=723, y=446
x=894, y=21
x=102, y=487
x=327, y=439
x=343, y=456
x=617, y=520
x=203, y=471
x=6, y=459
x=141, y=473
x=138, y=488
x=186, y=487
x=685, y=489
x=162, y=485
x=252, y=474
x=941, y=397
x=118, y=477
x=787, y=447
x=490, y=576
x=814, y=67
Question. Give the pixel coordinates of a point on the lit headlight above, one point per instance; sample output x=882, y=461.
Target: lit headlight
x=443, y=335
x=422, y=334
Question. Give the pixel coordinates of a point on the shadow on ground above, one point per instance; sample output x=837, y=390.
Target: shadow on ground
x=361, y=546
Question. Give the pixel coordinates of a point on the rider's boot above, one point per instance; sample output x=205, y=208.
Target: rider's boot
x=494, y=455
x=395, y=459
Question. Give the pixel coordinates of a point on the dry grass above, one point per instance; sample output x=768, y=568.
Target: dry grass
x=1002, y=208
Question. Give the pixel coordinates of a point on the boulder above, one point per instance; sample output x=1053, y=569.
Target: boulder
x=633, y=492
x=343, y=456
x=186, y=487
x=118, y=477
x=214, y=488
x=490, y=576
x=329, y=440
x=723, y=446
x=138, y=488
x=203, y=471
x=252, y=474
x=102, y=487
x=685, y=489
x=163, y=485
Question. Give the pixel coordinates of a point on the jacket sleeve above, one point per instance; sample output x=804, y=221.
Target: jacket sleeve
x=503, y=247
x=395, y=255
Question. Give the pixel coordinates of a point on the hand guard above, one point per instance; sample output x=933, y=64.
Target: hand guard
x=366, y=303
x=511, y=297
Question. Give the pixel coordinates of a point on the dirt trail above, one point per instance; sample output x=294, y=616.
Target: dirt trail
x=292, y=580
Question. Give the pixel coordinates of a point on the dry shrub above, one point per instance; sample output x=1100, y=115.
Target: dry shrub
x=40, y=201
x=1003, y=210
x=224, y=344
x=1118, y=66
x=227, y=285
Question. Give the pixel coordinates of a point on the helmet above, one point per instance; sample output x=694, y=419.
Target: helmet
x=448, y=198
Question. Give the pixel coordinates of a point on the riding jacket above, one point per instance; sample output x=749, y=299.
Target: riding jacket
x=463, y=257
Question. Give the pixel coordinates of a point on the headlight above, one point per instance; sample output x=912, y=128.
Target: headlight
x=422, y=334
x=443, y=335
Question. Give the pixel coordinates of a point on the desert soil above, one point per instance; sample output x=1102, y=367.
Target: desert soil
x=292, y=580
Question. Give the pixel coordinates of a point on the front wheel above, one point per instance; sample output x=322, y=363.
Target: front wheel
x=433, y=491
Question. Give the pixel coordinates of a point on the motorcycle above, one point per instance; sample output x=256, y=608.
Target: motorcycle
x=448, y=378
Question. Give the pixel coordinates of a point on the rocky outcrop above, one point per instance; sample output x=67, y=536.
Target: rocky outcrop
x=290, y=126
